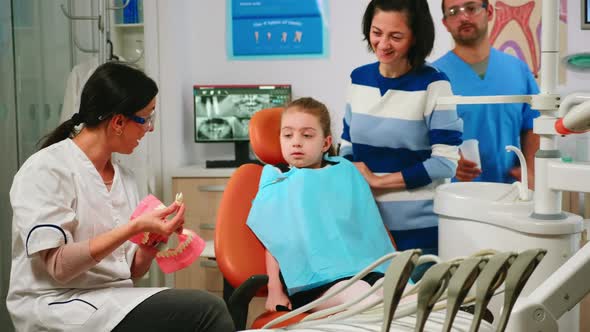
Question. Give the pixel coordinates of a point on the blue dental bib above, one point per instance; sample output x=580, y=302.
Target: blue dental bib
x=319, y=224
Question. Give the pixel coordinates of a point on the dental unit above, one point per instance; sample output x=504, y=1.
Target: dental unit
x=496, y=212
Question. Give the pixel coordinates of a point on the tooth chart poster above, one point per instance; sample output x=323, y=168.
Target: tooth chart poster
x=516, y=29
x=276, y=28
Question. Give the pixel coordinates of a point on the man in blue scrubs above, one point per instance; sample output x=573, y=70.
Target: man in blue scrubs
x=475, y=68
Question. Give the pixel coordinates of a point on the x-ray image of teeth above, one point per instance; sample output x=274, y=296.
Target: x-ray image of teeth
x=212, y=106
x=222, y=113
x=247, y=105
x=241, y=106
x=215, y=128
x=242, y=128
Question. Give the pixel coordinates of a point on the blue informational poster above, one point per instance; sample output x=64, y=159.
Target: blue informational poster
x=277, y=28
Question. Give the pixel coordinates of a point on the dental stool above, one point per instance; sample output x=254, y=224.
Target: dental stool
x=239, y=253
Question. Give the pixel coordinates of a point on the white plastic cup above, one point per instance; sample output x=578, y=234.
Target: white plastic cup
x=470, y=150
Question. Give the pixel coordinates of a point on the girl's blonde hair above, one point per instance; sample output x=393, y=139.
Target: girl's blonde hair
x=319, y=110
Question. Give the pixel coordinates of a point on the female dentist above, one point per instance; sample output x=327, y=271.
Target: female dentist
x=72, y=266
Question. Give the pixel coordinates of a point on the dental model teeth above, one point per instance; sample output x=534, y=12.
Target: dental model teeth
x=171, y=252
x=145, y=238
x=179, y=198
x=189, y=248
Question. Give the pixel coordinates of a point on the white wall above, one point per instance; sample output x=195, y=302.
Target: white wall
x=201, y=34
x=191, y=42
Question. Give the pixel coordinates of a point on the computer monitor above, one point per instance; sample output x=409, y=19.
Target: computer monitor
x=585, y=24
x=223, y=112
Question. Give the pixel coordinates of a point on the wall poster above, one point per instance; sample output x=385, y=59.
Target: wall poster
x=516, y=29
x=277, y=28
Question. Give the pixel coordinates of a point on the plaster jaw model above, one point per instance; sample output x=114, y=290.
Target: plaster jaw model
x=189, y=247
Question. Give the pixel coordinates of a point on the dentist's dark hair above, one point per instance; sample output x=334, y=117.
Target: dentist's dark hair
x=419, y=21
x=113, y=88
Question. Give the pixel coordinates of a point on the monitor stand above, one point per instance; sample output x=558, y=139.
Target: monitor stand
x=242, y=156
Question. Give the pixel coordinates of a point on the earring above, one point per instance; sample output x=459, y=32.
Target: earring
x=119, y=132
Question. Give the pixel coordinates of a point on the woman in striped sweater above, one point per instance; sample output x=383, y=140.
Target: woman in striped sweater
x=402, y=142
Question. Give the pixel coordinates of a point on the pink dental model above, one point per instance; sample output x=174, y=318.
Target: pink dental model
x=190, y=245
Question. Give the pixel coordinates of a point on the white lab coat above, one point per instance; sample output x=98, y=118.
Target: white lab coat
x=74, y=86
x=58, y=197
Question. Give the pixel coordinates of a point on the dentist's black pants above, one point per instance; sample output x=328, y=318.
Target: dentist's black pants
x=182, y=310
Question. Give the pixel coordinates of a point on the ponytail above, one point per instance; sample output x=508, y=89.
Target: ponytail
x=63, y=131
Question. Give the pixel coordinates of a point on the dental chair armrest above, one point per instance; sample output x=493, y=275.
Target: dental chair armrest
x=241, y=297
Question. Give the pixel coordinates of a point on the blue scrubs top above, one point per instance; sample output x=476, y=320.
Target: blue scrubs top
x=494, y=125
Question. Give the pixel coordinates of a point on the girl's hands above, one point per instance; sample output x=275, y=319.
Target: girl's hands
x=275, y=298
x=156, y=222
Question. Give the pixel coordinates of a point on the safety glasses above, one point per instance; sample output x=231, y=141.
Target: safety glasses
x=147, y=122
x=469, y=9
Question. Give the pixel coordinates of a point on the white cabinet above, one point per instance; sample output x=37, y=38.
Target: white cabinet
x=127, y=31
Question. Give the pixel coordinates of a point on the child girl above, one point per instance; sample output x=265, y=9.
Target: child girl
x=316, y=217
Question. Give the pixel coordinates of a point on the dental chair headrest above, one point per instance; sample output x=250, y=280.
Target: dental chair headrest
x=265, y=130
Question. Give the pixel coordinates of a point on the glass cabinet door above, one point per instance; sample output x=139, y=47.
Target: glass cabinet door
x=8, y=151
x=42, y=63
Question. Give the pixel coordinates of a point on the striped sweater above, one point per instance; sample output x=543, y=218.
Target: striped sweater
x=392, y=125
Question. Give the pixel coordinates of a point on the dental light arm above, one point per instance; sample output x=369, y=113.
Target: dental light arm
x=577, y=120
x=570, y=101
x=558, y=294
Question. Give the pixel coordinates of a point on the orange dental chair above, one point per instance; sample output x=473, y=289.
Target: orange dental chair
x=239, y=253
